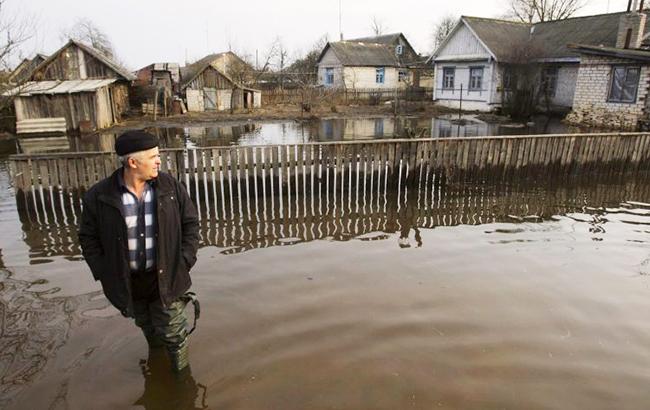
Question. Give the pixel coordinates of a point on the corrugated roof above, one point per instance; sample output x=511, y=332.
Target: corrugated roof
x=58, y=87
x=551, y=38
x=352, y=53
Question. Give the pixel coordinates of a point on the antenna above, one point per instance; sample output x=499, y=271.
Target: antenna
x=340, y=25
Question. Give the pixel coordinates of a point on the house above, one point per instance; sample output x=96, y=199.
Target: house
x=479, y=56
x=613, y=82
x=24, y=70
x=78, y=86
x=159, y=81
x=208, y=88
x=382, y=62
x=160, y=75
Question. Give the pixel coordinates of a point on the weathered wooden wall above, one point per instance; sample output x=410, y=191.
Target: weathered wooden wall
x=396, y=160
x=86, y=106
x=210, y=78
x=74, y=107
x=74, y=64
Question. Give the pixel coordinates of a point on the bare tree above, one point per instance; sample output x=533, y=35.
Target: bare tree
x=14, y=32
x=377, y=26
x=442, y=28
x=521, y=89
x=533, y=11
x=85, y=31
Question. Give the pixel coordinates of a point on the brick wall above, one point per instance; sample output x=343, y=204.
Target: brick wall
x=590, y=106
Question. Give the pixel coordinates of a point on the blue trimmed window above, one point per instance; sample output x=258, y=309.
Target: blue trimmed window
x=329, y=76
x=379, y=75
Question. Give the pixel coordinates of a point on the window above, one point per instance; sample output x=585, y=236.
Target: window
x=379, y=127
x=399, y=49
x=624, y=84
x=448, y=74
x=549, y=81
x=476, y=78
x=379, y=75
x=329, y=76
x=402, y=75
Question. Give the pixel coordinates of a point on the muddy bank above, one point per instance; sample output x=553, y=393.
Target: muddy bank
x=280, y=112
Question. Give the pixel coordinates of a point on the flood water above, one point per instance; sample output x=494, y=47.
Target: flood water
x=455, y=294
x=291, y=132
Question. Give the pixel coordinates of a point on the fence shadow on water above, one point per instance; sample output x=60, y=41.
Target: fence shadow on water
x=361, y=200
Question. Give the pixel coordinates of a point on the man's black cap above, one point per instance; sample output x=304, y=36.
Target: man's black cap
x=134, y=141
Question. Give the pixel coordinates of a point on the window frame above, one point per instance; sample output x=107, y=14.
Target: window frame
x=445, y=84
x=472, y=86
x=329, y=71
x=627, y=69
x=380, y=74
x=402, y=76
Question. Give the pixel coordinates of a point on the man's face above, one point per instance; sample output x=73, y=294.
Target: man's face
x=147, y=164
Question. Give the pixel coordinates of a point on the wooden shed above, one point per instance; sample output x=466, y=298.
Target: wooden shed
x=207, y=88
x=77, y=83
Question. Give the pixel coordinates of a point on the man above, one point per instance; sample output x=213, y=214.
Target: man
x=139, y=235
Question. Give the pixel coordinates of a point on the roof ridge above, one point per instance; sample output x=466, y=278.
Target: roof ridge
x=497, y=20
x=581, y=17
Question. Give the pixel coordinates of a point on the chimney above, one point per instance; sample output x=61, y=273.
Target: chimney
x=631, y=26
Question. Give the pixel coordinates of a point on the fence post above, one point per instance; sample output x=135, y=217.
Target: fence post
x=460, y=106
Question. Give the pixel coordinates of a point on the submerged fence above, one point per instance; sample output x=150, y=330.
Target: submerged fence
x=234, y=170
x=264, y=218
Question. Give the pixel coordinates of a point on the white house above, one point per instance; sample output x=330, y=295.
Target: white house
x=382, y=62
x=479, y=53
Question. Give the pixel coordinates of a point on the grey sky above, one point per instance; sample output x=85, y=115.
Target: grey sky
x=147, y=31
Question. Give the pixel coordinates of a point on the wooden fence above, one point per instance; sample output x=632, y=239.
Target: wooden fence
x=344, y=96
x=398, y=160
x=263, y=219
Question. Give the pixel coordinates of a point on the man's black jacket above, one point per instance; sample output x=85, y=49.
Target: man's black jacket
x=103, y=238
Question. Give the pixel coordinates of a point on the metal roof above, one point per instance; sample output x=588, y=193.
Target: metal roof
x=58, y=87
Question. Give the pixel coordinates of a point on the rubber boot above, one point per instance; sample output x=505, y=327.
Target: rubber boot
x=153, y=340
x=179, y=358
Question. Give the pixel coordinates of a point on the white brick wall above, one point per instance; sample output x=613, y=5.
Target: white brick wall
x=590, y=106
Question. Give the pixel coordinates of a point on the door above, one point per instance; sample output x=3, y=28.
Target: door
x=210, y=99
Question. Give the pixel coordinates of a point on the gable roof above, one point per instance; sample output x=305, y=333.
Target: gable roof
x=121, y=71
x=190, y=72
x=551, y=37
x=351, y=53
x=370, y=51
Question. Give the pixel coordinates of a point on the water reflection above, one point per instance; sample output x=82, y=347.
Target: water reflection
x=166, y=390
x=293, y=132
x=34, y=325
x=261, y=213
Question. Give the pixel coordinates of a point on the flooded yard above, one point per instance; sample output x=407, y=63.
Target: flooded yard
x=320, y=130
x=458, y=294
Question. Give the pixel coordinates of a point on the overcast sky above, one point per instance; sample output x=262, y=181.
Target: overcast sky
x=147, y=31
